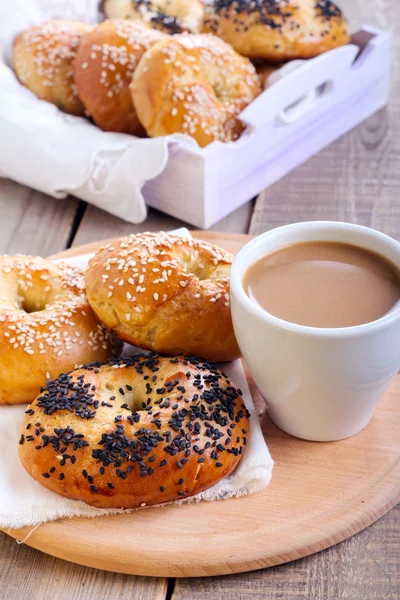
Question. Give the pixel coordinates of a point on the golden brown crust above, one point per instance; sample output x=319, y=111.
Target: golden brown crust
x=165, y=293
x=170, y=16
x=147, y=431
x=46, y=325
x=43, y=58
x=277, y=30
x=105, y=62
x=196, y=85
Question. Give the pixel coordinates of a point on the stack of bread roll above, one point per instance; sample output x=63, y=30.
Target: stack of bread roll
x=157, y=67
x=123, y=432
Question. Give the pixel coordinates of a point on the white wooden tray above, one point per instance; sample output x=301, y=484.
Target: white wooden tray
x=342, y=88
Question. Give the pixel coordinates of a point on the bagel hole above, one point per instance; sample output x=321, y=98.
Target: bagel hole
x=135, y=398
x=28, y=306
x=134, y=395
x=35, y=295
x=203, y=270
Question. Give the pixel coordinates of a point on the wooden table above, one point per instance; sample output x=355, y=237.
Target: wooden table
x=357, y=179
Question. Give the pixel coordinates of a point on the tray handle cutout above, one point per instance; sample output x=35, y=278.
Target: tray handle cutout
x=301, y=90
x=297, y=109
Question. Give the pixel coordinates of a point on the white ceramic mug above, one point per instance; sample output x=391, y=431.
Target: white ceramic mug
x=320, y=384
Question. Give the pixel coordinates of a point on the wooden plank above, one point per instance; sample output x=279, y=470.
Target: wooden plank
x=357, y=178
x=97, y=224
x=27, y=573
x=365, y=566
x=31, y=222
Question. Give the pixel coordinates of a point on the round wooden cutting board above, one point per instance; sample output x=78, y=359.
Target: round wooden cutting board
x=320, y=494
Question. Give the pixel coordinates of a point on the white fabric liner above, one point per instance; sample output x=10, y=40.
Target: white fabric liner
x=61, y=154
x=23, y=501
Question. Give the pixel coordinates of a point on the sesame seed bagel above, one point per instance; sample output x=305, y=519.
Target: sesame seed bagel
x=277, y=30
x=43, y=61
x=194, y=84
x=104, y=65
x=165, y=293
x=170, y=16
x=142, y=431
x=46, y=325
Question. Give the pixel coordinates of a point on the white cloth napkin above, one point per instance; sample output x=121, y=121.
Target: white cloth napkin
x=23, y=501
x=59, y=154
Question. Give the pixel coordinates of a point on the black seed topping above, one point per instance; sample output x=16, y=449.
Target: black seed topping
x=68, y=393
x=63, y=438
x=162, y=488
x=130, y=444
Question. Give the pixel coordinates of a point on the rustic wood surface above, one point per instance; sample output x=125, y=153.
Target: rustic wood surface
x=320, y=494
x=356, y=179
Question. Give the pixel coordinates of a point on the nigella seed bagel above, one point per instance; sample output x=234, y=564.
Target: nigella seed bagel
x=46, y=325
x=277, y=30
x=170, y=16
x=165, y=293
x=104, y=65
x=139, y=432
x=194, y=84
x=43, y=58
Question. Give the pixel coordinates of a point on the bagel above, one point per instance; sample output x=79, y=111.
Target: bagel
x=46, y=325
x=43, y=58
x=196, y=85
x=139, y=432
x=165, y=293
x=277, y=30
x=170, y=16
x=105, y=62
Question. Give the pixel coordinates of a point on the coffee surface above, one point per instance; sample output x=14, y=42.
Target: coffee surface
x=324, y=284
